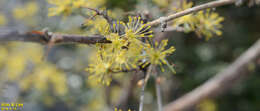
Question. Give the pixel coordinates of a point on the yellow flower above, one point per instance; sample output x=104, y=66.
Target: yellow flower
x=207, y=105
x=125, y=51
x=29, y=10
x=157, y=55
x=43, y=74
x=18, y=63
x=188, y=22
x=124, y=60
x=100, y=67
x=3, y=55
x=186, y=5
x=204, y=23
x=3, y=20
x=92, y=3
x=209, y=23
x=98, y=25
x=66, y=7
x=79, y=3
x=117, y=41
x=60, y=7
x=135, y=27
x=120, y=109
x=161, y=3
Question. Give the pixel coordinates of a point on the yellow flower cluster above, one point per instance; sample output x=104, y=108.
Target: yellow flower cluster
x=158, y=53
x=43, y=75
x=204, y=23
x=120, y=109
x=96, y=26
x=130, y=42
x=3, y=20
x=161, y=3
x=209, y=23
x=126, y=51
x=66, y=7
x=28, y=69
x=26, y=11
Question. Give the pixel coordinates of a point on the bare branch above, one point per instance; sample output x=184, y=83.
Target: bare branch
x=148, y=74
x=220, y=82
x=39, y=37
x=212, y=4
x=158, y=91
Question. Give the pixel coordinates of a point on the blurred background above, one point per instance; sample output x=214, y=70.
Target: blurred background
x=58, y=81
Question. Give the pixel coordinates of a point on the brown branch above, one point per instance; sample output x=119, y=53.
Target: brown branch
x=212, y=4
x=220, y=82
x=40, y=37
x=147, y=76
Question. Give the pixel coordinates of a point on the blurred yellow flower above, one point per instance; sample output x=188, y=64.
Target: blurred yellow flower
x=60, y=7
x=161, y=3
x=97, y=25
x=207, y=105
x=204, y=23
x=15, y=66
x=27, y=68
x=188, y=22
x=3, y=20
x=120, y=109
x=209, y=23
x=100, y=68
x=79, y=3
x=3, y=55
x=44, y=75
x=29, y=10
x=66, y=7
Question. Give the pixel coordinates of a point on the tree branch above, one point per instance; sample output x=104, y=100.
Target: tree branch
x=158, y=91
x=39, y=37
x=212, y=4
x=145, y=80
x=220, y=82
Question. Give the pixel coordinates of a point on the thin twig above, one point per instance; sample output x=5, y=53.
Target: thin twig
x=221, y=82
x=158, y=92
x=212, y=4
x=141, y=104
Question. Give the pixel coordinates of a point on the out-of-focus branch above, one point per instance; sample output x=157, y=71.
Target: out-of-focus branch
x=39, y=37
x=220, y=82
x=147, y=76
x=212, y=4
x=128, y=90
